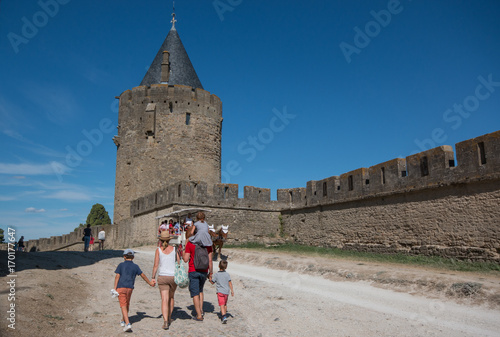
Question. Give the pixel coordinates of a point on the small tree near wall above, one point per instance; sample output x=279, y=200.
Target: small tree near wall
x=98, y=216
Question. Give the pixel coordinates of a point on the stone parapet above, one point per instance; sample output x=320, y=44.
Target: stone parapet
x=477, y=159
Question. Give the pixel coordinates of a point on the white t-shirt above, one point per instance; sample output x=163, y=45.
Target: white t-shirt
x=101, y=235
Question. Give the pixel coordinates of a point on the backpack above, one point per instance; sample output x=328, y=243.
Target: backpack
x=200, y=259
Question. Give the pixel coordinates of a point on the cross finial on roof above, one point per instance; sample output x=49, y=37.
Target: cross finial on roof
x=173, y=16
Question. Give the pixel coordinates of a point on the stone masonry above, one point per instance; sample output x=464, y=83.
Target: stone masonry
x=166, y=133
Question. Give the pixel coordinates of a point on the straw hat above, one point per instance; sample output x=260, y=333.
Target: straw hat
x=165, y=236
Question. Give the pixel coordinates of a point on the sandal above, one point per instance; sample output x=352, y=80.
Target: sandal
x=165, y=325
x=198, y=319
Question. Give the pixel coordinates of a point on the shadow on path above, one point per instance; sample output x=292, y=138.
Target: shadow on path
x=52, y=260
x=207, y=307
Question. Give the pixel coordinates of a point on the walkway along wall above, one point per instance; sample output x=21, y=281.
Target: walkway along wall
x=427, y=203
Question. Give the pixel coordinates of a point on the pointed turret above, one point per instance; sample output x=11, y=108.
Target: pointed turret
x=180, y=67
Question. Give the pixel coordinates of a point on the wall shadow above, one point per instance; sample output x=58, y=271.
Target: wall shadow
x=53, y=260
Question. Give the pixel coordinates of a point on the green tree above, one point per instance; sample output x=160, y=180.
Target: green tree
x=98, y=216
x=79, y=226
x=1, y=235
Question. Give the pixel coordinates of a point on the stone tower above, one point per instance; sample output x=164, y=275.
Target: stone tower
x=169, y=129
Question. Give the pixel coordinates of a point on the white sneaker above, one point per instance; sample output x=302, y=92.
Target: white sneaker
x=128, y=328
x=122, y=323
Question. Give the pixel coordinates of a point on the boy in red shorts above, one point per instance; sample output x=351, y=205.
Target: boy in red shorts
x=124, y=285
x=223, y=286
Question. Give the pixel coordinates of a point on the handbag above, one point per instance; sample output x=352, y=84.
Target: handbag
x=181, y=277
x=83, y=238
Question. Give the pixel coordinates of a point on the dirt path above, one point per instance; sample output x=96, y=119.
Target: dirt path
x=67, y=293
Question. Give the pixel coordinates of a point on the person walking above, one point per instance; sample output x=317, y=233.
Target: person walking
x=164, y=264
x=101, y=236
x=197, y=276
x=87, y=234
x=20, y=244
x=91, y=243
x=223, y=284
x=126, y=273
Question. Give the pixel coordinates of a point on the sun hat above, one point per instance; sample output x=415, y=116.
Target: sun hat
x=128, y=251
x=165, y=236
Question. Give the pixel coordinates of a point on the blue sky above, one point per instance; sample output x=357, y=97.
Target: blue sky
x=359, y=83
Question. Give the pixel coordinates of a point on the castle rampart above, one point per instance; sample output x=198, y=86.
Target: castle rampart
x=426, y=203
x=477, y=159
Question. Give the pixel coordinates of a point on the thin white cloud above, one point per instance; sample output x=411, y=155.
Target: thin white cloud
x=35, y=147
x=13, y=134
x=6, y=198
x=10, y=114
x=59, y=103
x=34, y=169
x=69, y=195
x=34, y=210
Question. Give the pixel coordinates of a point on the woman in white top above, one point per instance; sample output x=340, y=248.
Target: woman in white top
x=164, y=264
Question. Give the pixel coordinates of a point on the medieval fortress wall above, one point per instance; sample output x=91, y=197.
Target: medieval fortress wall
x=424, y=204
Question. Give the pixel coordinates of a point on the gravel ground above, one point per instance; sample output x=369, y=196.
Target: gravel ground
x=276, y=294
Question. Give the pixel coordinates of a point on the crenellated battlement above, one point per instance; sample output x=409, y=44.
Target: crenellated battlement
x=197, y=193
x=173, y=98
x=477, y=159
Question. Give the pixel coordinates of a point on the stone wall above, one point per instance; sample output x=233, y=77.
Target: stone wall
x=424, y=204
x=459, y=220
x=427, y=203
x=73, y=241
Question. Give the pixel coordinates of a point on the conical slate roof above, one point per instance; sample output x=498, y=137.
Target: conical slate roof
x=181, y=68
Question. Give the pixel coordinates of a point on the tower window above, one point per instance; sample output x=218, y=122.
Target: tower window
x=188, y=118
x=350, y=183
x=482, y=153
x=170, y=107
x=424, y=166
x=325, y=190
x=382, y=171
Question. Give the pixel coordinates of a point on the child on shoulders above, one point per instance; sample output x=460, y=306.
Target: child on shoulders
x=202, y=236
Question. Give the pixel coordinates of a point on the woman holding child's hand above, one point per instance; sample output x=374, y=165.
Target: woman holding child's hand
x=164, y=264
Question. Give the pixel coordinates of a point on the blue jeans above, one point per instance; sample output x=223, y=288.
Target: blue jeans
x=86, y=243
x=196, y=282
